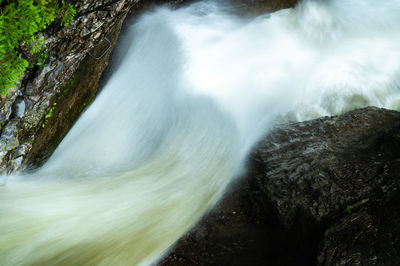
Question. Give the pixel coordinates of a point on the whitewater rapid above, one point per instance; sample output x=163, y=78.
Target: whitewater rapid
x=196, y=88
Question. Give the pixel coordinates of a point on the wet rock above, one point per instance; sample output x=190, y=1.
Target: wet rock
x=8, y=142
x=328, y=163
x=6, y=102
x=369, y=236
x=320, y=192
x=9, y=136
x=18, y=108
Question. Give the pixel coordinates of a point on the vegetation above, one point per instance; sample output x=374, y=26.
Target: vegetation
x=49, y=114
x=40, y=60
x=348, y=209
x=21, y=22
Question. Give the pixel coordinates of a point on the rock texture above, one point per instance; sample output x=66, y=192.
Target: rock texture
x=321, y=192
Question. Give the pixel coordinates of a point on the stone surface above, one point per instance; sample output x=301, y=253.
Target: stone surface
x=368, y=236
x=320, y=192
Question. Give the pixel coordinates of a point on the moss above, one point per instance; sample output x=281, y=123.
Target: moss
x=348, y=209
x=8, y=146
x=49, y=114
x=20, y=25
x=2, y=122
x=70, y=85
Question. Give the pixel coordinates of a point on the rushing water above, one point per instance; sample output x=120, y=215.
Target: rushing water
x=196, y=88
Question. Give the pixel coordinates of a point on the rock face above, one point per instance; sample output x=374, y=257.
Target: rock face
x=321, y=192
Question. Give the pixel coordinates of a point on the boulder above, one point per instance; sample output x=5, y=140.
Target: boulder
x=320, y=192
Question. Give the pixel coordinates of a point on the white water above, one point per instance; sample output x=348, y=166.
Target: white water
x=195, y=90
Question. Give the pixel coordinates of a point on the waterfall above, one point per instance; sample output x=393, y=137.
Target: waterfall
x=195, y=89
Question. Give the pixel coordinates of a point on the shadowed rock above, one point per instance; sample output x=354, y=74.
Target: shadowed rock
x=323, y=192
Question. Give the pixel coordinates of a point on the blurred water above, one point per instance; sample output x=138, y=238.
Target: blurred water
x=196, y=89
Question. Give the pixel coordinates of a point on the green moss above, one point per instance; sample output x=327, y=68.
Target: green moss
x=8, y=146
x=49, y=114
x=41, y=59
x=68, y=13
x=88, y=102
x=31, y=121
x=348, y=209
x=20, y=24
x=70, y=85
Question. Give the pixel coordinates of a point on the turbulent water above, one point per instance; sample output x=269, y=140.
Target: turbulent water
x=194, y=91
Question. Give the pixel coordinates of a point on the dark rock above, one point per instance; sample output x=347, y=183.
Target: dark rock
x=369, y=236
x=322, y=192
x=322, y=166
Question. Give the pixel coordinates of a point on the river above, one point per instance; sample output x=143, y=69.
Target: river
x=195, y=89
